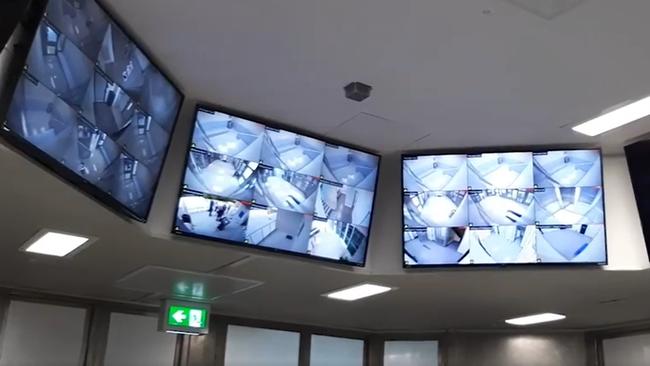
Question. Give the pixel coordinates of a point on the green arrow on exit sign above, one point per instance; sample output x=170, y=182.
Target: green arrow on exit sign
x=185, y=316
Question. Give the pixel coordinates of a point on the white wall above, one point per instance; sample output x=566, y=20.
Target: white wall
x=42, y=334
x=333, y=351
x=134, y=340
x=627, y=351
x=495, y=349
x=247, y=346
x=411, y=353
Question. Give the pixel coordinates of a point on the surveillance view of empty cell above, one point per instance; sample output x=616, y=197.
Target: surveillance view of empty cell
x=285, y=189
x=71, y=104
x=343, y=203
x=280, y=229
x=41, y=118
x=568, y=206
x=224, y=134
x=338, y=240
x=348, y=167
x=578, y=168
x=434, y=245
x=299, y=195
x=130, y=181
x=220, y=174
x=504, y=209
x=125, y=63
x=571, y=243
x=428, y=209
x=500, y=170
x=500, y=244
x=83, y=21
x=61, y=66
x=435, y=173
x=290, y=151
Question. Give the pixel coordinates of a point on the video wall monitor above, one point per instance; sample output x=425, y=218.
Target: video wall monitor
x=543, y=207
x=250, y=184
x=92, y=106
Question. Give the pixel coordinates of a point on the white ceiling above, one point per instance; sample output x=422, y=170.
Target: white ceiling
x=445, y=75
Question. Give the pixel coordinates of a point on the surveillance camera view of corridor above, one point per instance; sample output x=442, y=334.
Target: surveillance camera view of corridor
x=249, y=184
x=504, y=208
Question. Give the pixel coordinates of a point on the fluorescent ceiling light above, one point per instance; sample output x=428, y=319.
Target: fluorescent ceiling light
x=615, y=118
x=53, y=243
x=358, y=292
x=536, y=319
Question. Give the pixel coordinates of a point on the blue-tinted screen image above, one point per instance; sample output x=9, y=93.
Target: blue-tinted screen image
x=91, y=100
x=435, y=244
x=344, y=203
x=349, y=167
x=576, y=168
x=220, y=174
x=569, y=206
x=435, y=173
x=431, y=209
x=283, y=191
x=504, y=208
x=500, y=170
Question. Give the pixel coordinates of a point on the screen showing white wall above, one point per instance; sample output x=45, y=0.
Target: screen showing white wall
x=247, y=346
x=134, y=340
x=502, y=208
x=42, y=334
x=627, y=351
x=334, y=351
x=411, y=353
x=250, y=184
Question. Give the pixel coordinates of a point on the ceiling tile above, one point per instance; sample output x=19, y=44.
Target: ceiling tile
x=368, y=130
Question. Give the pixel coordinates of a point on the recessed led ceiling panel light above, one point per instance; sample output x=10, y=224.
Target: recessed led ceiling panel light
x=358, y=292
x=535, y=319
x=615, y=118
x=55, y=243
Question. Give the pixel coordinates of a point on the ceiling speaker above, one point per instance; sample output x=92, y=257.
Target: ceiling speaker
x=547, y=9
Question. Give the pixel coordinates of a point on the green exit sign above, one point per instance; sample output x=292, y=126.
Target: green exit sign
x=184, y=317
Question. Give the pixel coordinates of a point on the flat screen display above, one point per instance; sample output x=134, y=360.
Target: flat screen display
x=504, y=208
x=255, y=185
x=93, y=107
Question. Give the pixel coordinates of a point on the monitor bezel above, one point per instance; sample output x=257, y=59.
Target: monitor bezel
x=208, y=240
x=488, y=150
x=64, y=173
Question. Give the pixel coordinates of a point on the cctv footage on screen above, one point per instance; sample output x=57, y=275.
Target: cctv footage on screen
x=91, y=100
x=251, y=184
x=504, y=208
